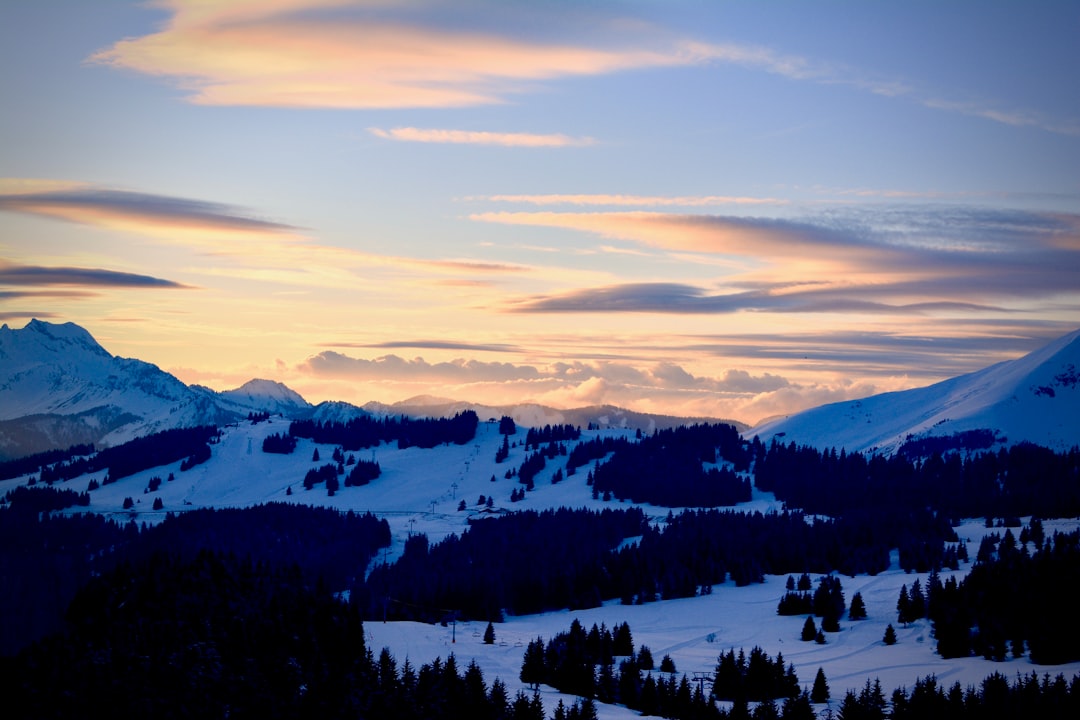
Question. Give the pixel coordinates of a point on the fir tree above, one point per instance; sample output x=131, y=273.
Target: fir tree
x=890, y=635
x=903, y=606
x=857, y=611
x=533, y=668
x=820, y=692
x=809, y=630
x=489, y=634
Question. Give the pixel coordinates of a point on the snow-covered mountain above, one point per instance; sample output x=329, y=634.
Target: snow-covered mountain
x=1035, y=398
x=58, y=387
x=267, y=396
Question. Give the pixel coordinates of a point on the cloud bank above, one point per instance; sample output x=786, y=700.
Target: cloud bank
x=889, y=260
x=664, y=387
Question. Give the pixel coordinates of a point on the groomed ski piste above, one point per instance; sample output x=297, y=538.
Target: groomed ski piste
x=419, y=491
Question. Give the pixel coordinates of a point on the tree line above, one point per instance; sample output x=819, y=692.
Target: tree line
x=368, y=431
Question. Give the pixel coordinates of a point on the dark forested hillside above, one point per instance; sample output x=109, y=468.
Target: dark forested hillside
x=44, y=559
x=368, y=431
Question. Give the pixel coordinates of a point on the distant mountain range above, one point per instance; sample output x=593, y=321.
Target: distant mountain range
x=1035, y=398
x=59, y=387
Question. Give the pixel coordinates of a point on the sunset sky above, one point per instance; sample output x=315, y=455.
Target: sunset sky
x=725, y=209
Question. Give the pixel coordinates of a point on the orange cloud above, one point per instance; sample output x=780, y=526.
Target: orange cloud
x=472, y=137
x=763, y=240
x=349, y=55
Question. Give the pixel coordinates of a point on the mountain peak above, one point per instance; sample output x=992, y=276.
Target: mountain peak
x=38, y=336
x=270, y=395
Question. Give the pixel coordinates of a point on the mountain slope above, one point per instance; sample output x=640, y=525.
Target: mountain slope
x=58, y=387
x=1034, y=398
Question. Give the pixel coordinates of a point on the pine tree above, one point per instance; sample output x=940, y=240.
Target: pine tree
x=809, y=630
x=890, y=635
x=918, y=601
x=489, y=634
x=820, y=692
x=857, y=611
x=315, y=455
x=667, y=665
x=158, y=505
x=903, y=606
x=532, y=664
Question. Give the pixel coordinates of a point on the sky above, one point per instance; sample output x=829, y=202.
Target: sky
x=714, y=209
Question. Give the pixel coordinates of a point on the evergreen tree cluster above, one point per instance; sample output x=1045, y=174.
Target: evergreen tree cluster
x=279, y=443
x=367, y=431
x=35, y=463
x=527, y=562
x=507, y=425
x=362, y=473
x=666, y=468
x=597, y=448
x=529, y=469
x=1011, y=598
x=139, y=454
x=327, y=473
x=602, y=664
x=995, y=697
x=755, y=678
x=215, y=636
x=532, y=562
x=38, y=499
x=1023, y=479
x=968, y=440
x=45, y=558
x=548, y=434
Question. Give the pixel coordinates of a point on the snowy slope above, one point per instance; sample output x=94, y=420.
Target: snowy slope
x=1035, y=398
x=419, y=491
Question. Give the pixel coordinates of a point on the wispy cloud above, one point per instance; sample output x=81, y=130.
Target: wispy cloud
x=139, y=212
x=912, y=256
x=635, y=200
x=19, y=315
x=354, y=54
x=336, y=54
x=687, y=299
x=258, y=249
x=475, y=137
x=36, y=276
